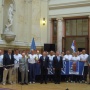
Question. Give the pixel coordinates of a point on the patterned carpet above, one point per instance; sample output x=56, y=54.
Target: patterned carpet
x=5, y=89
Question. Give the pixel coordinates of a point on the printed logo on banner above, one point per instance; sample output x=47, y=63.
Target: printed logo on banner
x=64, y=67
x=5, y=89
x=74, y=67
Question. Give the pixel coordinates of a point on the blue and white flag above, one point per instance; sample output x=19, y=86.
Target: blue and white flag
x=33, y=45
x=73, y=46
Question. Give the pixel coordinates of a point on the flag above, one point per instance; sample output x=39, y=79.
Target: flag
x=33, y=46
x=73, y=46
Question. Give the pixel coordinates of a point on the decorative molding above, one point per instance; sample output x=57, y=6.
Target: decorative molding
x=28, y=1
x=59, y=18
x=45, y=0
x=18, y=43
x=70, y=15
x=69, y=5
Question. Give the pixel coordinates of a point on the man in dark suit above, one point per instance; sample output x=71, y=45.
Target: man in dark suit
x=8, y=62
x=57, y=66
x=44, y=62
x=88, y=60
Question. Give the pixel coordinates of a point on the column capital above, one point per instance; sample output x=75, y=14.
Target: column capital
x=59, y=19
x=89, y=16
x=28, y=1
x=45, y=0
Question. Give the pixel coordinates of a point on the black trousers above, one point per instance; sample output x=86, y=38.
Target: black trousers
x=1, y=73
x=44, y=75
x=57, y=75
x=19, y=76
x=89, y=73
x=85, y=73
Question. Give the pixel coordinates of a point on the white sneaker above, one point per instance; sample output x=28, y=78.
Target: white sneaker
x=14, y=82
x=11, y=83
x=30, y=82
x=4, y=83
x=33, y=82
x=71, y=81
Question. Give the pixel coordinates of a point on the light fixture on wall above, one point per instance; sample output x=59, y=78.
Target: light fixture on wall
x=43, y=21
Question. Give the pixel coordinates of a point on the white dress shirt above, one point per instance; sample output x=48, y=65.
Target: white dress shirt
x=32, y=58
x=1, y=60
x=67, y=57
x=84, y=57
x=38, y=56
x=75, y=58
x=17, y=58
x=51, y=57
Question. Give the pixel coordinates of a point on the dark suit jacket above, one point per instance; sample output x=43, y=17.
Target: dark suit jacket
x=8, y=61
x=57, y=64
x=46, y=61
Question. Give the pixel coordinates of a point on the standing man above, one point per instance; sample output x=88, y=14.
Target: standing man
x=37, y=66
x=23, y=67
x=83, y=58
x=8, y=62
x=31, y=60
x=88, y=60
x=68, y=57
x=44, y=63
x=1, y=66
x=57, y=66
x=50, y=70
x=17, y=57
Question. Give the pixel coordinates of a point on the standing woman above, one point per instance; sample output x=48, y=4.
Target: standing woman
x=75, y=58
x=67, y=57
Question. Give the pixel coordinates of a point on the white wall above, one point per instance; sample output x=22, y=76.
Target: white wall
x=65, y=8
x=69, y=11
x=1, y=18
x=64, y=1
x=26, y=23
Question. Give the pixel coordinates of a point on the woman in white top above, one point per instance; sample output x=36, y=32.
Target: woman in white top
x=67, y=57
x=75, y=58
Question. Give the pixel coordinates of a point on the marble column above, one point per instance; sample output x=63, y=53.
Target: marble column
x=50, y=31
x=1, y=17
x=59, y=34
x=89, y=34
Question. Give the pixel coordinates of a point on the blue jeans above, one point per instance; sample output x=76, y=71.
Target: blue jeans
x=32, y=72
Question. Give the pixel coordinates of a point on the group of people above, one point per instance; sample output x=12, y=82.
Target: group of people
x=22, y=67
